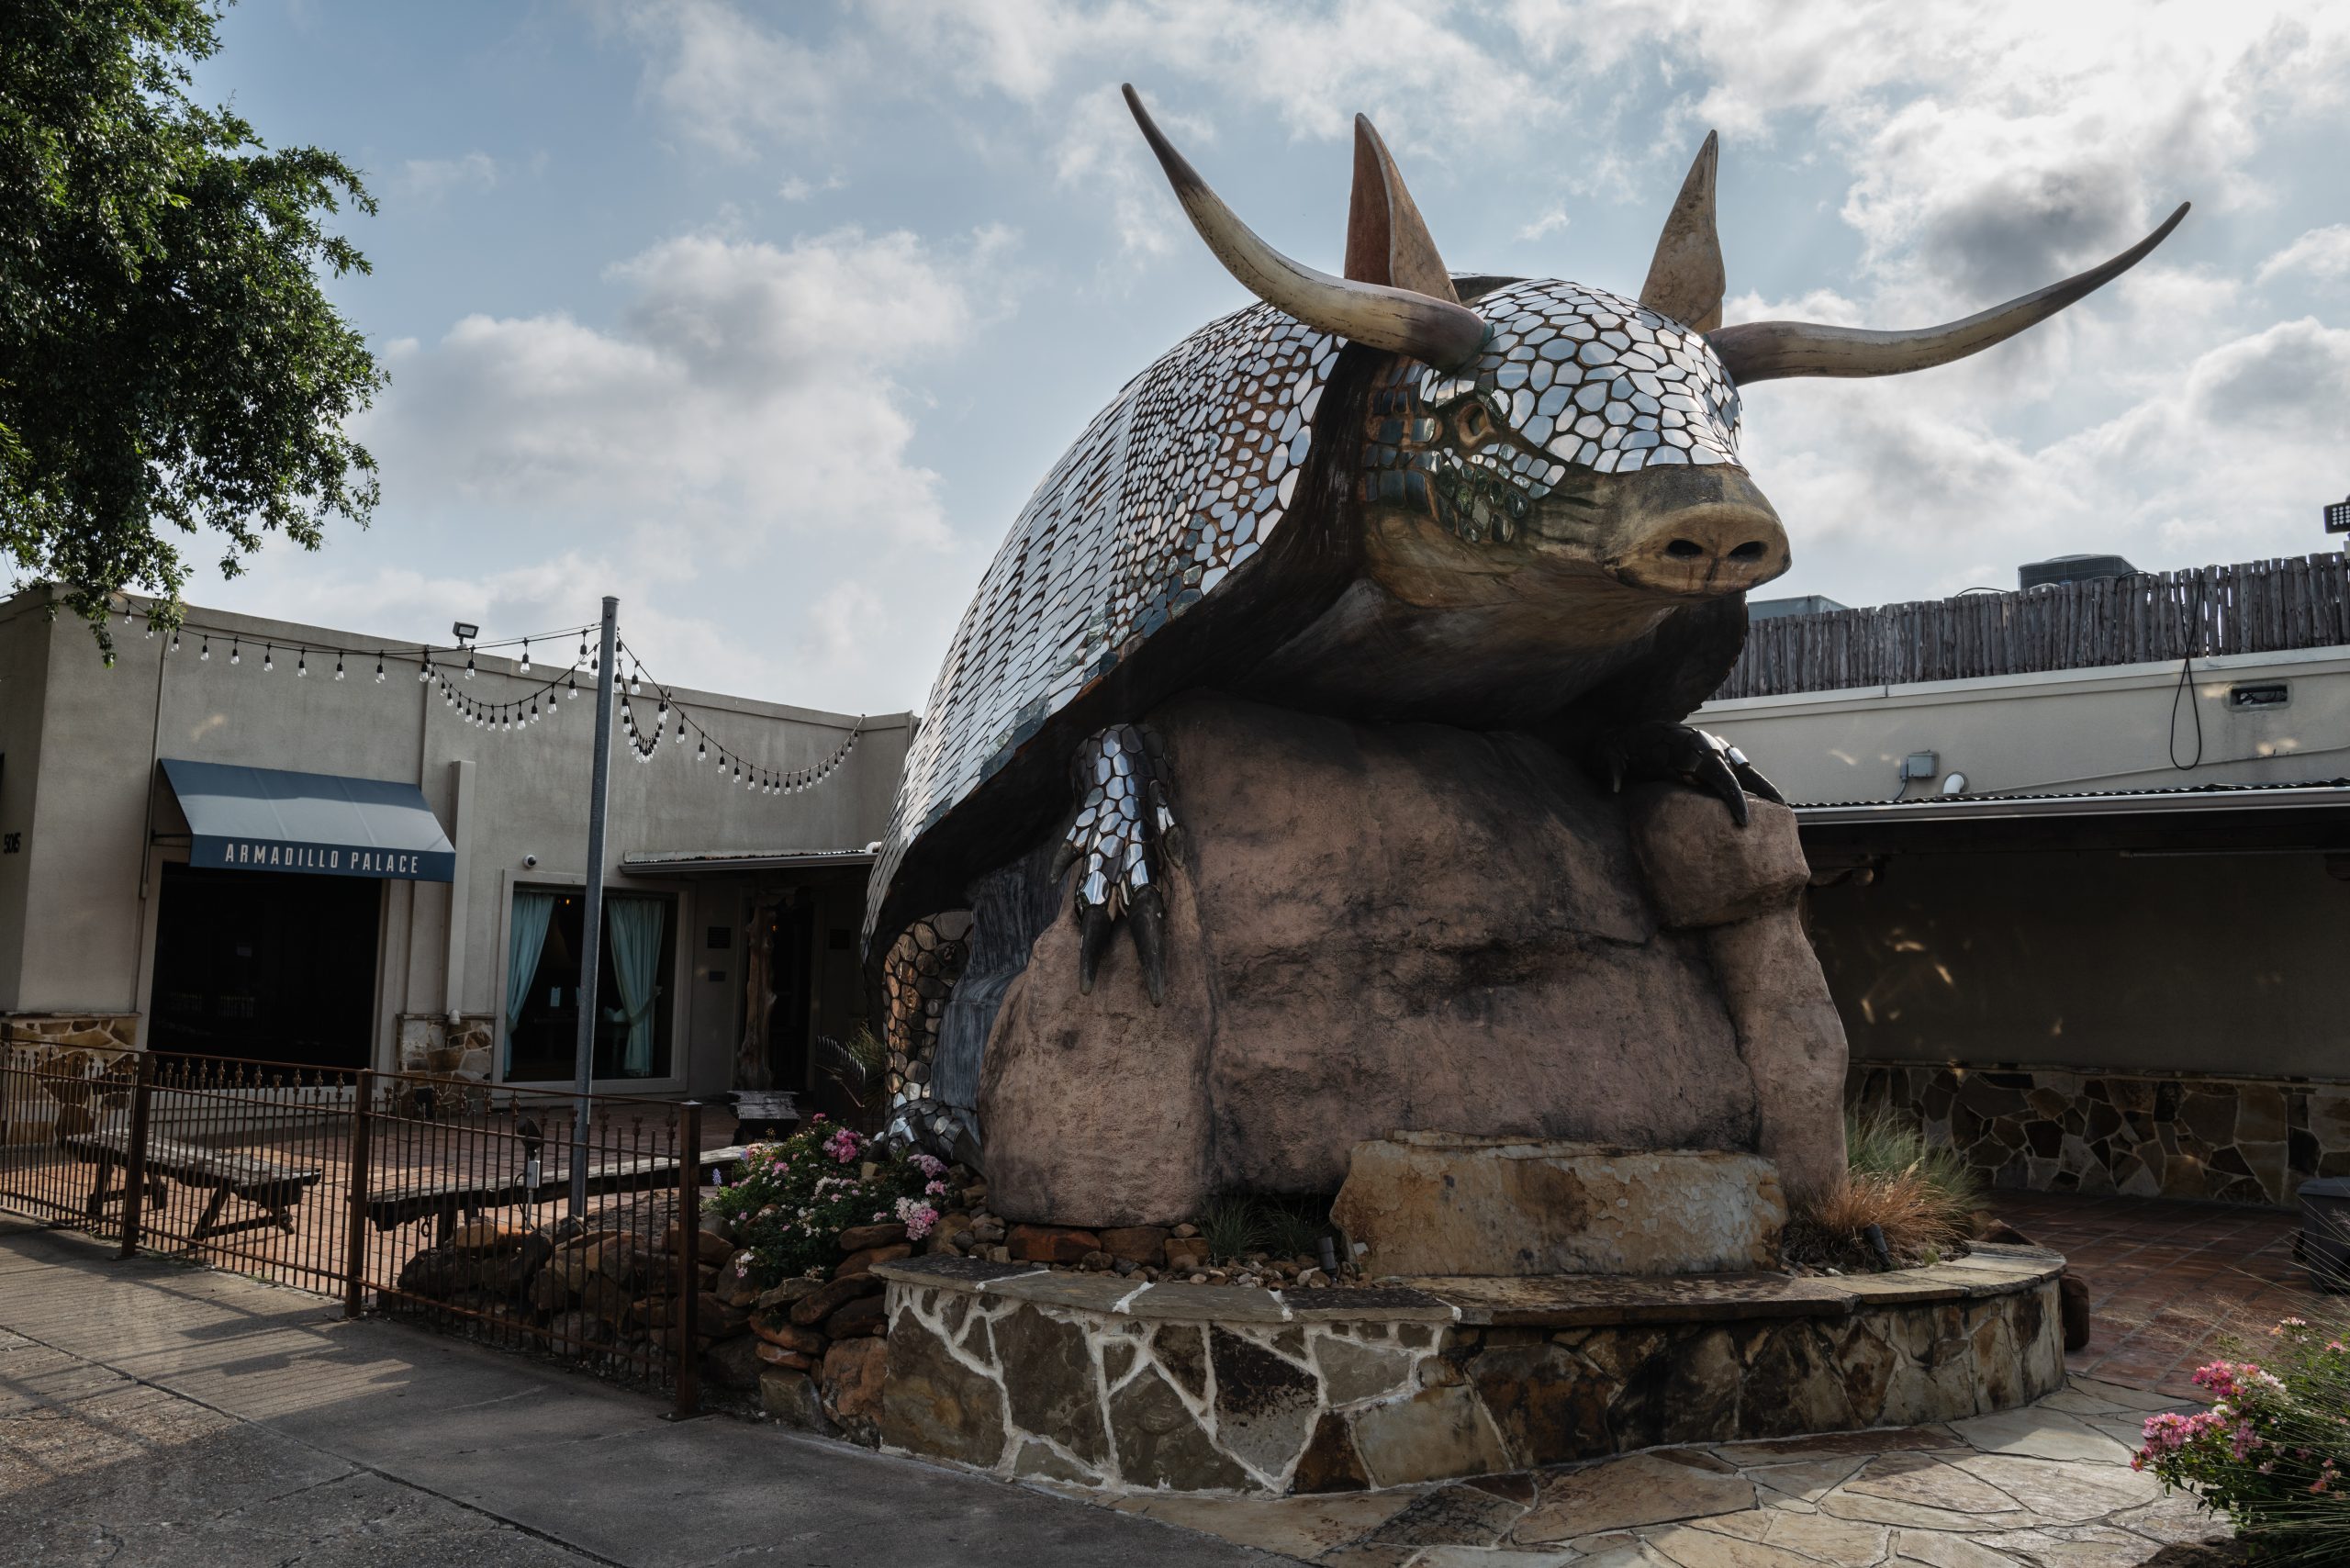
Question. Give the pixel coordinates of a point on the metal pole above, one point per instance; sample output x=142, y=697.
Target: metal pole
x=134, y=1161
x=355, y=1240
x=685, y=1333
x=591, y=945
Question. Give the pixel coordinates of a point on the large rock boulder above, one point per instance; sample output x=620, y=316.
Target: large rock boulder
x=1374, y=928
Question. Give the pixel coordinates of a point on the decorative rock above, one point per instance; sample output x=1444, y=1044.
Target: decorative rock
x=776, y=1355
x=866, y=1315
x=790, y=1398
x=1702, y=869
x=1436, y=1203
x=851, y=1385
x=1264, y=1403
x=1329, y=1463
x=862, y=1260
x=1051, y=1381
x=1052, y=1244
x=787, y=1335
x=786, y=1293
x=1793, y=1041
x=1136, y=1244
x=734, y=1284
x=826, y=1299
x=488, y=1235
x=711, y=1246
x=858, y=1238
x=1187, y=1252
x=735, y=1363
x=1437, y=1434
x=1497, y=856
x=1159, y=1443
x=931, y=1404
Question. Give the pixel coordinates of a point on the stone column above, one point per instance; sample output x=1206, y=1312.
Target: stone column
x=1739, y=886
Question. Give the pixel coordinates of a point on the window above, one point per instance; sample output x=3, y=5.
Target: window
x=633, y=998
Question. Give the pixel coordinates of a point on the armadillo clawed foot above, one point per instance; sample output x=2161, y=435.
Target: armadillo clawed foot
x=1115, y=841
x=1657, y=752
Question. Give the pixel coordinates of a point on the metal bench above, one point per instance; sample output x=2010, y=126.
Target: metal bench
x=447, y=1201
x=252, y=1179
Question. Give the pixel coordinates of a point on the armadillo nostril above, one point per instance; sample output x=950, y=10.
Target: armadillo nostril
x=1685, y=549
x=1750, y=551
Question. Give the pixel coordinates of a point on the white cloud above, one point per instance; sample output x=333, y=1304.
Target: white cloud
x=1550, y=223
x=797, y=187
x=733, y=85
x=433, y=179
x=742, y=422
x=2322, y=252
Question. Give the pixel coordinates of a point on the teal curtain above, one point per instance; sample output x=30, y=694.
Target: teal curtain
x=524, y=939
x=635, y=926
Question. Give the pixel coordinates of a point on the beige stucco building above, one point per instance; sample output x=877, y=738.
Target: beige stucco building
x=2096, y=936
x=735, y=912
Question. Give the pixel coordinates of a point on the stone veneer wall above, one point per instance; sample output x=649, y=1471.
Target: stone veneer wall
x=428, y=1042
x=1199, y=1388
x=103, y=1031
x=2246, y=1140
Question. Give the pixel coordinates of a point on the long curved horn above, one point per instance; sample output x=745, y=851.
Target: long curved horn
x=1443, y=333
x=1766, y=351
x=1686, y=279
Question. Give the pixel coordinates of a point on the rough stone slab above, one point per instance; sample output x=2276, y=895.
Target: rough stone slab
x=1209, y=1303
x=1594, y=1300
x=1367, y=1304
x=946, y=1269
x=1454, y=1204
x=1086, y=1292
x=1645, y=1489
x=1902, y=1287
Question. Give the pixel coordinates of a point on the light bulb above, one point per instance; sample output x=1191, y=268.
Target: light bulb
x=526, y=656
x=268, y=656
x=205, y=652
x=338, y=667
x=235, y=654
x=302, y=663
x=701, y=752
x=469, y=666
x=379, y=669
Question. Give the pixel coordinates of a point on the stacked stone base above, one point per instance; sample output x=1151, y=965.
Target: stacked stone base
x=1195, y=1388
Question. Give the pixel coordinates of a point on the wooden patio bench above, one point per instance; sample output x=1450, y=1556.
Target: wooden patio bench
x=252, y=1179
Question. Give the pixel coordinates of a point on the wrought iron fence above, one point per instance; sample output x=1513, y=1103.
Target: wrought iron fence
x=502, y=1214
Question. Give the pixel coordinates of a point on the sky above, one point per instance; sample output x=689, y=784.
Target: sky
x=768, y=319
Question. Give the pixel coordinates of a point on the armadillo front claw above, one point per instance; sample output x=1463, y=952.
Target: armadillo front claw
x=1122, y=820
x=1658, y=752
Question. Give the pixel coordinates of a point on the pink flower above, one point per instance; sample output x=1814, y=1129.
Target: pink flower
x=843, y=1145
x=918, y=1219
x=930, y=1165
x=937, y=1189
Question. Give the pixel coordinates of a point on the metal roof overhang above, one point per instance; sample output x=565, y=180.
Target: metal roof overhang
x=683, y=862
x=319, y=825
x=2272, y=818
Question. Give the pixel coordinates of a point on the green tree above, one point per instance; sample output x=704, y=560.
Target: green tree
x=168, y=363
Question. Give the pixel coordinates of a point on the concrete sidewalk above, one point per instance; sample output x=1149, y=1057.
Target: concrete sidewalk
x=153, y=1415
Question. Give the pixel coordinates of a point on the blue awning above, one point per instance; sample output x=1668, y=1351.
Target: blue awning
x=264, y=819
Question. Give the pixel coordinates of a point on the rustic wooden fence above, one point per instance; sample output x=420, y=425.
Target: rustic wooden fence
x=2254, y=608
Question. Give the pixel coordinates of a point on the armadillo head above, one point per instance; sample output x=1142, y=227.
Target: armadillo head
x=1556, y=422
x=1588, y=426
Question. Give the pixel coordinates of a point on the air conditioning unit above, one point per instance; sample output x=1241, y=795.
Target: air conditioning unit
x=2072, y=569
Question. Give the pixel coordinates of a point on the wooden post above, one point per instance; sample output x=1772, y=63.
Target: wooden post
x=687, y=1334
x=354, y=1242
x=134, y=1164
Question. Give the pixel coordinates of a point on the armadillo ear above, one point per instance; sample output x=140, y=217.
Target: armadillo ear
x=1686, y=279
x=1387, y=241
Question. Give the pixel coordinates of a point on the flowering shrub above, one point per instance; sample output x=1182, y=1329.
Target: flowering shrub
x=790, y=1200
x=2272, y=1451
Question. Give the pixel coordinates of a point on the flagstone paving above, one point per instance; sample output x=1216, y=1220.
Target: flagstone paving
x=2045, y=1487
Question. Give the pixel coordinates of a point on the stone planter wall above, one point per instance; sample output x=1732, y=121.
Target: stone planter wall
x=2244, y=1140
x=1199, y=1388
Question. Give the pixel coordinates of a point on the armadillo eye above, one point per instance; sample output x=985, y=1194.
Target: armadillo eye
x=1473, y=424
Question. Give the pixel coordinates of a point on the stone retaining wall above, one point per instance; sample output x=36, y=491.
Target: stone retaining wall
x=1200, y=1388
x=2244, y=1140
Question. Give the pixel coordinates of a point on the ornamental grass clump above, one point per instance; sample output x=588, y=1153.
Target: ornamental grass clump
x=1920, y=1199
x=790, y=1200
x=2272, y=1451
